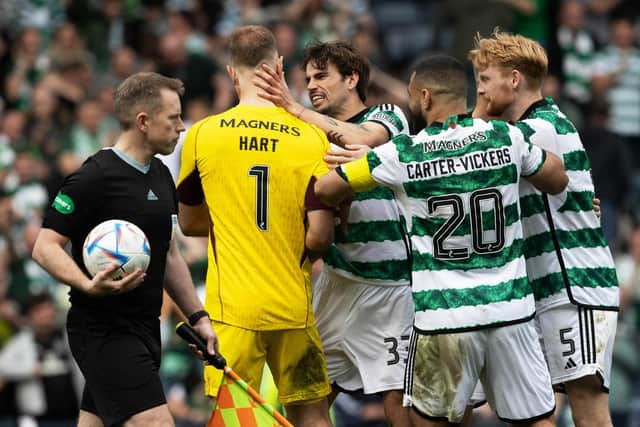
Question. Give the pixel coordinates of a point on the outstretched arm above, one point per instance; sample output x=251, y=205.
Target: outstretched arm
x=551, y=177
x=333, y=189
x=349, y=153
x=274, y=88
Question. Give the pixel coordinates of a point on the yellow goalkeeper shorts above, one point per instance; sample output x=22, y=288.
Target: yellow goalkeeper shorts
x=294, y=356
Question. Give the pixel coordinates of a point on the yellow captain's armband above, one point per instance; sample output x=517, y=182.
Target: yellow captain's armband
x=358, y=174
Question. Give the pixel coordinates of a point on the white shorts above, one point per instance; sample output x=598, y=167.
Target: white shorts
x=443, y=371
x=577, y=342
x=365, y=331
x=478, y=397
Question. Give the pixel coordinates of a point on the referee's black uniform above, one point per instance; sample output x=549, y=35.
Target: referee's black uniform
x=116, y=339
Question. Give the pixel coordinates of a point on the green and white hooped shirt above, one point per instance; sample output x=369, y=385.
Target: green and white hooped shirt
x=457, y=189
x=568, y=259
x=374, y=250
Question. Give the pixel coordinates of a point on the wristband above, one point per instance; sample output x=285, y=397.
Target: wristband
x=193, y=319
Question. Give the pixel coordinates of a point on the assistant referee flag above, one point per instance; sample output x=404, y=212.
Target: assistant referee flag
x=238, y=405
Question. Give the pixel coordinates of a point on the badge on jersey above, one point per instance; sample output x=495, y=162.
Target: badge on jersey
x=63, y=204
x=174, y=225
x=387, y=119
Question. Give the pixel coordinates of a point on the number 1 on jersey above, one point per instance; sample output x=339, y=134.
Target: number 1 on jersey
x=261, y=173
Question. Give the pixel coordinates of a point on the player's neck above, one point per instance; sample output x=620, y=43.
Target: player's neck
x=521, y=104
x=248, y=93
x=351, y=107
x=133, y=146
x=444, y=111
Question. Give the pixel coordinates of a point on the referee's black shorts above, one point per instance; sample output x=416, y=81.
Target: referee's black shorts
x=120, y=359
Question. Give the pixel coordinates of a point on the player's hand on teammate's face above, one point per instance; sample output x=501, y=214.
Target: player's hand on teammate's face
x=337, y=156
x=103, y=285
x=273, y=87
x=596, y=207
x=205, y=330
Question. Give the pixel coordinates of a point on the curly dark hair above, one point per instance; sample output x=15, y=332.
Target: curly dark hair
x=345, y=58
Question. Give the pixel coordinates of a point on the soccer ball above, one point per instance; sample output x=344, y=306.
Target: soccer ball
x=116, y=241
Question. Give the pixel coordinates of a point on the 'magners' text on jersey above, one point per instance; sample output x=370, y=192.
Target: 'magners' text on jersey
x=255, y=174
x=457, y=188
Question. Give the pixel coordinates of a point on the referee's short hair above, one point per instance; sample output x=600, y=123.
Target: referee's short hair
x=141, y=92
x=344, y=57
x=511, y=51
x=251, y=45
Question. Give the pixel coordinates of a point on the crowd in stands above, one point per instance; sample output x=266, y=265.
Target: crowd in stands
x=60, y=61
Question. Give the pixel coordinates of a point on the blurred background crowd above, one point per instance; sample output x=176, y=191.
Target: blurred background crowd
x=60, y=61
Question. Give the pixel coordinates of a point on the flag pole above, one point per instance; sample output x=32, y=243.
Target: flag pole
x=189, y=335
x=256, y=396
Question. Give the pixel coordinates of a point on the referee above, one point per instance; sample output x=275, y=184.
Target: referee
x=113, y=325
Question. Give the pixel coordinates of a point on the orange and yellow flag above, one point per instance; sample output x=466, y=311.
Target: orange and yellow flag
x=238, y=405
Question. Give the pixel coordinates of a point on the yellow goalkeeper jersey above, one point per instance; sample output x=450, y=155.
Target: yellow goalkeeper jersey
x=254, y=165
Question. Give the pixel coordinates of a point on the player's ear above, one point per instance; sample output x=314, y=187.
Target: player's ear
x=352, y=80
x=425, y=99
x=516, y=78
x=232, y=75
x=141, y=121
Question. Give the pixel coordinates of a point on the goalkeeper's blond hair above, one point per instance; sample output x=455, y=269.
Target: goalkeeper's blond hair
x=511, y=51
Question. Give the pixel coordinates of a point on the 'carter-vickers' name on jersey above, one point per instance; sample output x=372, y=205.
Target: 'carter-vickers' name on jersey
x=568, y=259
x=460, y=203
x=374, y=248
x=473, y=161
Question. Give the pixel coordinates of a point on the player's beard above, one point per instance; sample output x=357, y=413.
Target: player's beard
x=496, y=108
x=333, y=103
x=329, y=110
x=496, y=105
x=417, y=123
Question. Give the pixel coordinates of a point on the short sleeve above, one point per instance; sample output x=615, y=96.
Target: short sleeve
x=189, y=186
x=77, y=202
x=166, y=172
x=540, y=133
x=384, y=162
x=188, y=155
x=320, y=168
x=357, y=174
x=311, y=201
x=531, y=156
x=391, y=117
x=380, y=166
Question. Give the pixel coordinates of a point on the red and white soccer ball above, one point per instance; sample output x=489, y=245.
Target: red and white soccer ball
x=116, y=241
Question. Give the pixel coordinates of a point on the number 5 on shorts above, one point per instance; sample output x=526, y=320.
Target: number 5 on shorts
x=567, y=341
